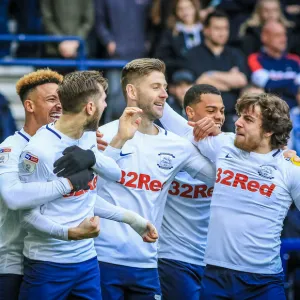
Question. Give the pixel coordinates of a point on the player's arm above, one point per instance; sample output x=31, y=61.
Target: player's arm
x=34, y=221
x=294, y=182
x=199, y=166
x=175, y=123
x=17, y=195
x=143, y=227
x=75, y=159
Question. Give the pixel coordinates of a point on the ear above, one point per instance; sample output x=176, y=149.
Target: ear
x=90, y=108
x=29, y=105
x=131, y=91
x=190, y=112
x=268, y=134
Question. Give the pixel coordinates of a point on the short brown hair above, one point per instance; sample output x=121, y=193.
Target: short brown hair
x=275, y=115
x=31, y=80
x=138, y=68
x=78, y=87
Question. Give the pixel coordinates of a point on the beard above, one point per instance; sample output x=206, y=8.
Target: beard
x=249, y=145
x=93, y=123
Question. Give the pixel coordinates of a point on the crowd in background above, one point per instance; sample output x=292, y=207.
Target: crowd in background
x=237, y=46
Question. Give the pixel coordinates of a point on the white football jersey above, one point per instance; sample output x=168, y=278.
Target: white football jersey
x=185, y=222
x=252, y=195
x=149, y=164
x=11, y=235
x=36, y=165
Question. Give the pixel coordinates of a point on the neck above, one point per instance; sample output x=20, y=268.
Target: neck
x=147, y=127
x=71, y=126
x=273, y=53
x=264, y=147
x=215, y=49
x=31, y=126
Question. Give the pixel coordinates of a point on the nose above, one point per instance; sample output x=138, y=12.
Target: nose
x=238, y=123
x=164, y=94
x=58, y=106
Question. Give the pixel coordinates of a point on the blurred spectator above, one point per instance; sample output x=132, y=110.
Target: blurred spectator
x=238, y=11
x=272, y=68
x=294, y=141
x=121, y=26
x=183, y=33
x=217, y=64
x=182, y=81
x=252, y=89
x=28, y=20
x=7, y=122
x=250, y=31
x=66, y=17
x=5, y=47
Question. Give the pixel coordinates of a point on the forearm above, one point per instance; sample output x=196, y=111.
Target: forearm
x=174, y=122
x=17, y=195
x=34, y=221
x=106, y=166
x=229, y=79
x=207, y=79
x=106, y=210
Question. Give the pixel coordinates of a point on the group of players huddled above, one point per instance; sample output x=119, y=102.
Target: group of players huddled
x=185, y=211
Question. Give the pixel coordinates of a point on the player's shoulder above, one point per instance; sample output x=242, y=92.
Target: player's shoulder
x=109, y=130
x=12, y=147
x=43, y=141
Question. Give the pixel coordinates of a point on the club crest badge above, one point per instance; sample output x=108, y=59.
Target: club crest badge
x=165, y=161
x=4, y=155
x=29, y=162
x=266, y=171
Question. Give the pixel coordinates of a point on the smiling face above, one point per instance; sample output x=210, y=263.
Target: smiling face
x=44, y=104
x=210, y=106
x=151, y=94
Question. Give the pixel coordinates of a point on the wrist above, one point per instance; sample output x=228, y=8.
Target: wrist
x=118, y=141
x=73, y=234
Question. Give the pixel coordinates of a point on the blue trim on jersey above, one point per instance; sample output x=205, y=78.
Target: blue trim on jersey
x=24, y=136
x=277, y=152
x=47, y=127
x=166, y=132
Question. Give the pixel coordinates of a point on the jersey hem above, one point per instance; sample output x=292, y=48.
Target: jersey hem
x=256, y=270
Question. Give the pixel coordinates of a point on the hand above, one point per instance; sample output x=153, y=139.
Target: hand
x=288, y=153
x=88, y=228
x=68, y=49
x=74, y=160
x=80, y=180
x=150, y=235
x=101, y=144
x=129, y=123
x=203, y=128
x=111, y=48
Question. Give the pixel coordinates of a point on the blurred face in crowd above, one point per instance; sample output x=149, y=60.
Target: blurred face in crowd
x=269, y=11
x=248, y=128
x=274, y=37
x=44, y=104
x=186, y=12
x=99, y=102
x=217, y=32
x=151, y=94
x=210, y=106
x=180, y=89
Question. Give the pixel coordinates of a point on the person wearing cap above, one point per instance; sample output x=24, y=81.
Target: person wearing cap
x=182, y=80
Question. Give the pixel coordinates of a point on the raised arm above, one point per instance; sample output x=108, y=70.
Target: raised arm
x=175, y=123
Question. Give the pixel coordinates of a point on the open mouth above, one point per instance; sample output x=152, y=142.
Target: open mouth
x=158, y=104
x=55, y=116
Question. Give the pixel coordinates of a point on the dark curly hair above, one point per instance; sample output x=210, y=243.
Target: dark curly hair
x=275, y=115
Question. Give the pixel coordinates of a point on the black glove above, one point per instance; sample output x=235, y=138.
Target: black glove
x=81, y=179
x=74, y=160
